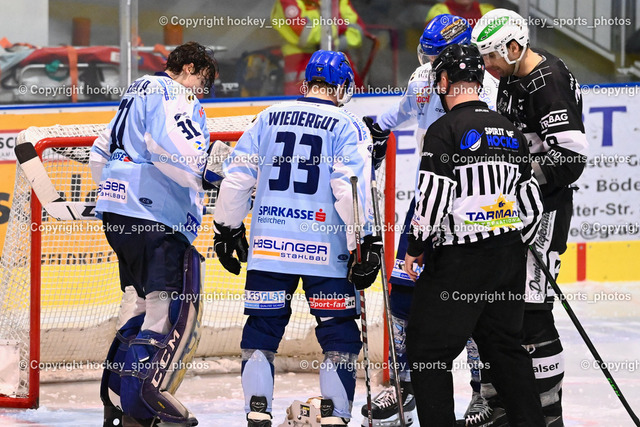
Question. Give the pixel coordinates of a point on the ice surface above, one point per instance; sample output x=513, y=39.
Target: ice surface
x=613, y=326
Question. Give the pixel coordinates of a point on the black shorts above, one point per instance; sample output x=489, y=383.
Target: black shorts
x=150, y=254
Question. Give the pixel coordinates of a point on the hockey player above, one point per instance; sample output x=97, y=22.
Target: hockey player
x=542, y=98
x=300, y=156
x=478, y=204
x=419, y=103
x=149, y=164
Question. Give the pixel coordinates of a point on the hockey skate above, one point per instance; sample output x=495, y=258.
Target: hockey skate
x=315, y=412
x=384, y=407
x=483, y=413
x=128, y=421
x=258, y=416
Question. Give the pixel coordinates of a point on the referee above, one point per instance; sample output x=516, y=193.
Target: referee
x=479, y=205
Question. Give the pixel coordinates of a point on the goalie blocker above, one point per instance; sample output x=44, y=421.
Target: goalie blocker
x=143, y=368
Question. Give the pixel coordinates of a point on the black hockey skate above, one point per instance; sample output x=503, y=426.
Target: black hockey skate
x=384, y=407
x=258, y=417
x=327, y=419
x=128, y=421
x=484, y=413
x=112, y=417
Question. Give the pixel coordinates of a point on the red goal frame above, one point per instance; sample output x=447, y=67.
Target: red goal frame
x=31, y=400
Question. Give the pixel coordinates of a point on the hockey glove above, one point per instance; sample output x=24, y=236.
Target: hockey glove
x=379, y=137
x=226, y=241
x=363, y=274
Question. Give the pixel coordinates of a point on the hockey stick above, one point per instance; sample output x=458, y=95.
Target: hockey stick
x=584, y=335
x=387, y=308
x=363, y=312
x=53, y=203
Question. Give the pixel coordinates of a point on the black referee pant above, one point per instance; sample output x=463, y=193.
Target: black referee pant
x=472, y=290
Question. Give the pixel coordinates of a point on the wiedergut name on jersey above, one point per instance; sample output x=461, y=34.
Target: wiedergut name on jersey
x=302, y=118
x=284, y=249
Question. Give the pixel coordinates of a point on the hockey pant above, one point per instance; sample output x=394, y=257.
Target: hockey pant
x=400, y=304
x=145, y=368
x=540, y=336
x=440, y=324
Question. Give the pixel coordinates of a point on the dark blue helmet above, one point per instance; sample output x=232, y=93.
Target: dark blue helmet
x=332, y=68
x=442, y=31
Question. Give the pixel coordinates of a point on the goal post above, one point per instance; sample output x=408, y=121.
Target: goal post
x=60, y=293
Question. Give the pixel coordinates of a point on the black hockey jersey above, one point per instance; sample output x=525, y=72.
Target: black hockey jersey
x=475, y=180
x=546, y=105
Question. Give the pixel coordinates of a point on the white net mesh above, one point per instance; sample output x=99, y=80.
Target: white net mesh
x=80, y=291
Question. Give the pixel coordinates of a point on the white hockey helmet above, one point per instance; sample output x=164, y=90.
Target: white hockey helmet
x=496, y=29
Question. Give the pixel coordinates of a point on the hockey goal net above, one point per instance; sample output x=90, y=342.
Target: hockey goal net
x=60, y=290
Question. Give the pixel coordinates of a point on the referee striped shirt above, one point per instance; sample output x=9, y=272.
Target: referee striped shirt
x=475, y=181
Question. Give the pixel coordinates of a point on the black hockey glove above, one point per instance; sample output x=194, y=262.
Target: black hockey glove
x=364, y=273
x=226, y=241
x=379, y=137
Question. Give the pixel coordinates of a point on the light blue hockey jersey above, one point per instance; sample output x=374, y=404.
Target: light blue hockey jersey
x=300, y=155
x=422, y=103
x=150, y=159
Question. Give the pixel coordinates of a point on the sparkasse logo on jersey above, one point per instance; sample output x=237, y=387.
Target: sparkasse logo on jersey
x=279, y=214
x=282, y=249
x=113, y=190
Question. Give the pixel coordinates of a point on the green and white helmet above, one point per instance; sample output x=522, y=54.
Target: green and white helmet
x=496, y=29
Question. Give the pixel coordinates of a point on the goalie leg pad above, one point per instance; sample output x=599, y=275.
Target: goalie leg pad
x=111, y=380
x=156, y=363
x=130, y=318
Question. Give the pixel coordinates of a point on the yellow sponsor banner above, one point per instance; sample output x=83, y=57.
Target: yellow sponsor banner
x=22, y=119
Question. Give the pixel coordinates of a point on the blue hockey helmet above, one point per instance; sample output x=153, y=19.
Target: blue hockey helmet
x=442, y=31
x=334, y=69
